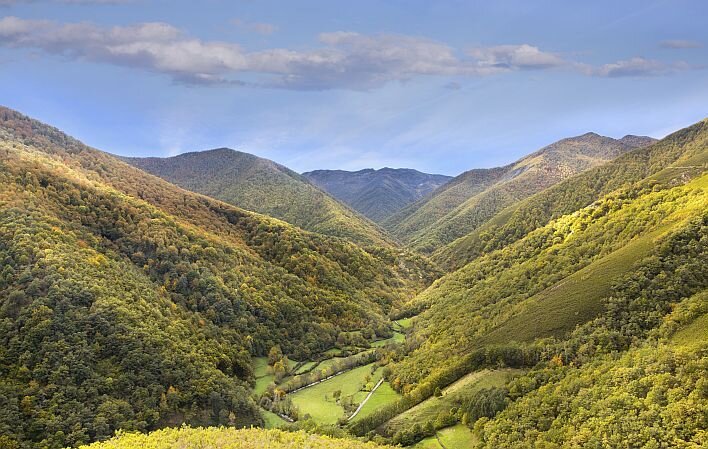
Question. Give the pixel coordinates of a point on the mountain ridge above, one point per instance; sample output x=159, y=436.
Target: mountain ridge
x=264, y=186
x=377, y=193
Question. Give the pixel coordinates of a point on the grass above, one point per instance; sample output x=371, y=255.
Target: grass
x=467, y=385
x=398, y=337
x=317, y=401
x=404, y=323
x=457, y=436
x=272, y=421
x=384, y=395
x=306, y=367
x=262, y=373
x=428, y=443
x=575, y=300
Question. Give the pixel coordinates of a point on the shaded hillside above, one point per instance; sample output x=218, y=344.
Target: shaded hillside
x=377, y=194
x=263, y=186
x=144, y=303
x=471, y=199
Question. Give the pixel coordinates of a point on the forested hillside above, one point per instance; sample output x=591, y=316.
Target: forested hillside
x=377, y=194
x=129, y=303
x=471, y=199
x=603, y=306
x=261, y=185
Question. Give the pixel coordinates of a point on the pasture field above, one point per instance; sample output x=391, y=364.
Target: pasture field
x=318, y=400
x=451, y=396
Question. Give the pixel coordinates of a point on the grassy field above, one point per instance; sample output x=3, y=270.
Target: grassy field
x=404, y=323
x=428, y=443
x=384, y=395
x=430, y=408
x=398, y=337
x=272, y=421
x=455, y=437
x=317, y=401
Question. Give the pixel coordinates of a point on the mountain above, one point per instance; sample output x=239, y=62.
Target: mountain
x=472, y=198
x=377, y=194
x=261, y=185
x=129, y=303
x=607, y=281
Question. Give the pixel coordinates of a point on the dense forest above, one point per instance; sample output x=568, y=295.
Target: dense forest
x=143, y=303
x=572, y=312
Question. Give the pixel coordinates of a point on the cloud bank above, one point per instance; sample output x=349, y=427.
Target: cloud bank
x=343, y=60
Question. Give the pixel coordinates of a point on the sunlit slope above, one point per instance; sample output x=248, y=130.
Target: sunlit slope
x=653, y=395
x=264, y=186
x=680, y=154
x=474, y=197
x=224, y=438
x=553, y=279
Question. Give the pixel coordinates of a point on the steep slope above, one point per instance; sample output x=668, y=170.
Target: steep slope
x=471, y=199
x=377, y=194
x=127, y=302
x=556, y=277
x=594, y=281
x=684, y=149
x=263, y=186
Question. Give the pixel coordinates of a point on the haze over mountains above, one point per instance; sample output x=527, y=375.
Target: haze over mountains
x=377, y=194
x=128, y=302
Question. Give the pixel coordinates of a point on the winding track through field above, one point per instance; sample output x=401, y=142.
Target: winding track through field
x=358, y=409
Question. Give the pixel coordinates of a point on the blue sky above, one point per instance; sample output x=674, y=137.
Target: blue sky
x=437, y=86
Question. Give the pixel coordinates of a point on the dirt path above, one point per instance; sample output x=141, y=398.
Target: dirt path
x=358, y=409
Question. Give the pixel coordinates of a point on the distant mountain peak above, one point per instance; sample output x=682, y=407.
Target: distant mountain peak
x=377, y=193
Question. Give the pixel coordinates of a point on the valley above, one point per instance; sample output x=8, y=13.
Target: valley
x=242, y=296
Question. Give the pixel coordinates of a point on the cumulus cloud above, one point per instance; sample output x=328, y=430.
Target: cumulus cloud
x=516, y=57
x=343, y=60
x=680, y=44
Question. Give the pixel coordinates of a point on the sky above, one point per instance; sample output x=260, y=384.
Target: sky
x=441, y=87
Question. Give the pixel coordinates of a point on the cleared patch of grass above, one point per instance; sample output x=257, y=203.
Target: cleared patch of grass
x=318, y=401
x=306, y=367
x=404, y=323
x=384, y=395
x=452, y=395
x=428, y=443
x=398, y=337
x=272, y=421
x=458, y=436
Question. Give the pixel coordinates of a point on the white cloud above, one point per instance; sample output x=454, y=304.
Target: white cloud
x=516, y=57
x=638, y=67
x=345, y=60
